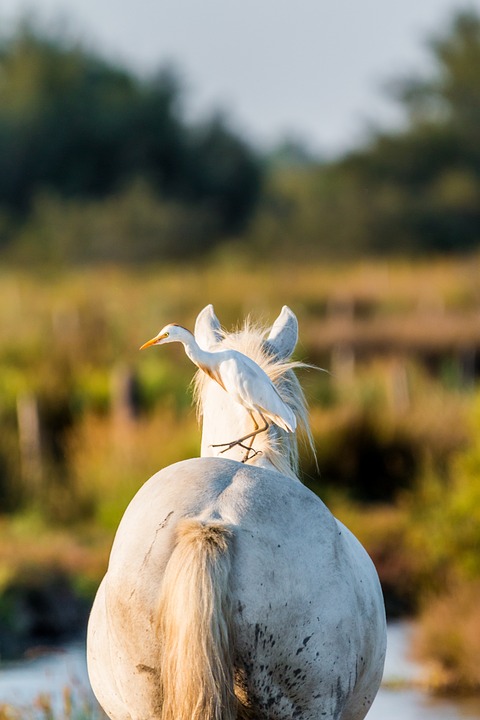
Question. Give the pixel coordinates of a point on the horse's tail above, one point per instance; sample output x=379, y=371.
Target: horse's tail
x=195, y=623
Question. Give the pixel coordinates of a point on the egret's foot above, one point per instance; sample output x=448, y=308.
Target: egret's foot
x=229, y=446
x=248, y=448
x=240, y=441
x=254, y=454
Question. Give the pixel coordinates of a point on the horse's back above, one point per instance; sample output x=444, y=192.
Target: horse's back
x=307, y=609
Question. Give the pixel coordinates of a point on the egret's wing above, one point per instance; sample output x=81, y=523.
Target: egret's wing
x=208, y=331
x=249, y=385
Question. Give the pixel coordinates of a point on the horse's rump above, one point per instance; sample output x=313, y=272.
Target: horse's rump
x=239, y=579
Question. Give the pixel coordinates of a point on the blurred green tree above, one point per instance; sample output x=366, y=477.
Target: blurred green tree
x=435, y=163
x=75, y=126
x=411, y=190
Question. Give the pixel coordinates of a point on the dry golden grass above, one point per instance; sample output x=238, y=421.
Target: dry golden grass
x=30, y=549
x=161, y=294
x=375, y=325
x=448, y=640
x=110, y=459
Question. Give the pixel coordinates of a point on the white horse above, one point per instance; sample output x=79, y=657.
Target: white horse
x=232, y=592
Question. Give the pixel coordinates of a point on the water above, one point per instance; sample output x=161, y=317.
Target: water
x=49, y=674
x=409, y=703
x=22, y=683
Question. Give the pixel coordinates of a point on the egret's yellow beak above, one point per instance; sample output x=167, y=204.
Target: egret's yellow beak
x=153, y=341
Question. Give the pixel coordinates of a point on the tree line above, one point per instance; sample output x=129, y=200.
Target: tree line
x=80, y=137
x=414, y=190
x=97, y=163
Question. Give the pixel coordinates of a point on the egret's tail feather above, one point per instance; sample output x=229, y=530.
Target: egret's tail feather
x=195, y=625
x=286, y=422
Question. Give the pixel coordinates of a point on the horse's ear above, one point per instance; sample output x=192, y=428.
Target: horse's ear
x=283, y=335
x=208, y=330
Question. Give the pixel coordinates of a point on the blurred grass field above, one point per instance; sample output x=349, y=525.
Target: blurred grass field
x=86, y=419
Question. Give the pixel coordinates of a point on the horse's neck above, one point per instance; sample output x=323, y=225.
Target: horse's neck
x=225, y=421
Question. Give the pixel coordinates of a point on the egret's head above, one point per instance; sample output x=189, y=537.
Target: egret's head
x=170, y=333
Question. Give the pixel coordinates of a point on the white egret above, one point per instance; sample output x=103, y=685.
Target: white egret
x=241, y=378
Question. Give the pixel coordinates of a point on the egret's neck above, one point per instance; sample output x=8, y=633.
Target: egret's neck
x=193, y=350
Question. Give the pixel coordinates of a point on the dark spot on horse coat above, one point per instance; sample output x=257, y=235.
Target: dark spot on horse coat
x=146, y=669
x=258, y=632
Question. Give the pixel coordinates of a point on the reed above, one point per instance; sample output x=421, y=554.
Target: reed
x=80, y=405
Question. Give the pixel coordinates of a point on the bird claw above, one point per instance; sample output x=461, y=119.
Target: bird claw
x=229, y=446
x=254, y=454
x=240, y=441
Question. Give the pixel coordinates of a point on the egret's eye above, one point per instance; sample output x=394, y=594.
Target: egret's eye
x=166, y=334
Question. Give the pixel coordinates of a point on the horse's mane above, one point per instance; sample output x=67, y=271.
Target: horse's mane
x=276, y=445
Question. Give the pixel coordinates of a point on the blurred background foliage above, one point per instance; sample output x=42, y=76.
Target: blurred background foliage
x=98, y=164
x=80, y=136
x=117, y=214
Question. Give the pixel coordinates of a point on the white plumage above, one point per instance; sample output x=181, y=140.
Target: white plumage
x=250, y=386
x=240, y=377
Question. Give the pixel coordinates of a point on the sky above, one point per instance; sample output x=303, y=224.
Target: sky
x=309, y=70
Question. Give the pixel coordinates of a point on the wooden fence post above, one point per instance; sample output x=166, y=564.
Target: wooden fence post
x=30, y=443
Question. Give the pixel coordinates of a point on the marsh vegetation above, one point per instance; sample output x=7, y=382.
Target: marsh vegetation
x=86, y=419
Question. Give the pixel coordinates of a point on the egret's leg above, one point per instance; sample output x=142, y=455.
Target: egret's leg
x=257, y=431
x=249, y=447
x=247, y=455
